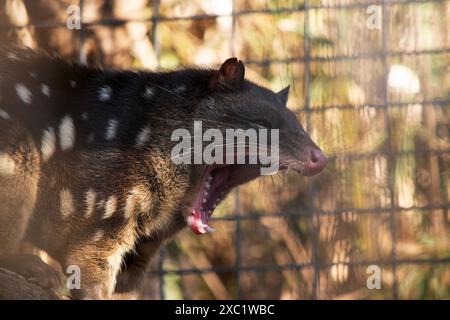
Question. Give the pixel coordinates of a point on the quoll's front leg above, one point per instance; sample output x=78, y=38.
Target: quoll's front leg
x=130, y=278
x=99, y=262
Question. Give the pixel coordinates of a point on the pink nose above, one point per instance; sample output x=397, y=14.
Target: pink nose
x=316, y=162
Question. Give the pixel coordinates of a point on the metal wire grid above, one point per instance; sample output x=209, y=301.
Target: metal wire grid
x=312, y=211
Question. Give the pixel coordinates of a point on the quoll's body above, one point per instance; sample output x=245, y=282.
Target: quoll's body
x=85, y=160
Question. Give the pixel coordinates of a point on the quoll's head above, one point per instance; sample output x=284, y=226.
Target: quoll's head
x=236, y=103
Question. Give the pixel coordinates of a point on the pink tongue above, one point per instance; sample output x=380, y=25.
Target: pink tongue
x=198, y=221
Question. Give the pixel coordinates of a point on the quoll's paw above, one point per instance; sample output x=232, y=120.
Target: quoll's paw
x=33, y=269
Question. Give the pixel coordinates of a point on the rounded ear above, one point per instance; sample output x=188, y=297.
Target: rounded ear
x=230, y=75
x=283, y=95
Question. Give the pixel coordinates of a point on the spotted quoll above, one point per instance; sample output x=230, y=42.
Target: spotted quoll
x=86, y=172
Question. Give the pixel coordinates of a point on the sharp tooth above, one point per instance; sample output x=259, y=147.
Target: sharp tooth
x=207, y=185
x=208, y=228
x=209, y=179
x=204, y=200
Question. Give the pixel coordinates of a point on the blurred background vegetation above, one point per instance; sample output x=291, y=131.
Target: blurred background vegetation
x=376, y=100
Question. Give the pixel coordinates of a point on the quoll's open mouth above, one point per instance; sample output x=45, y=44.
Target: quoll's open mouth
x=217, y=182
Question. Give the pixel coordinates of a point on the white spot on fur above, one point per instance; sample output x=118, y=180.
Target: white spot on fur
x=4, y=114
x=130, y=205
x=66, y=203
x=104, y=93
x=48, y=143
x=33, y=75
x=98, y=235
x=84, y=116
x=89, y=200
x=7, y=165
x=24, y=94
x=66, y=133
x=148, y=92
x=73, y=83
x=138, y=198
x=111, y=129
x=45, y=90
x=110, y=207
x=143, y=136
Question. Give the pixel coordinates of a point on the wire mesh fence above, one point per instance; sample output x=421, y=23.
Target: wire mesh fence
x=388, y=186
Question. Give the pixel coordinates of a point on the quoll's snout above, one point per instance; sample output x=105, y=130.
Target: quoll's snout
x=316, y=161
